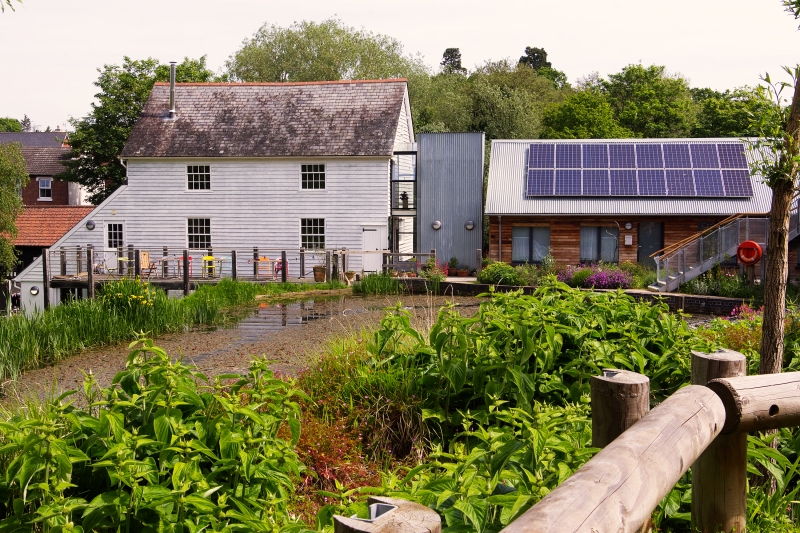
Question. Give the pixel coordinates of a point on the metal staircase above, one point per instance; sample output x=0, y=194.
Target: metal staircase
x=690, y=257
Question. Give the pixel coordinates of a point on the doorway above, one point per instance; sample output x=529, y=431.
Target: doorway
x=651, y=240
x=373, y=239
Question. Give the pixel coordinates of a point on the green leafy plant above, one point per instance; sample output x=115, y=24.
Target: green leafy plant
x=499, y=274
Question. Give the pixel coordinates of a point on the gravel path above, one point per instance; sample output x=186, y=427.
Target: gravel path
x=288, y=333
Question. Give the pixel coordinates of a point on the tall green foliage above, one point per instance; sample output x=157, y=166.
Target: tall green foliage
x=13, y=178
x=583, y=115
x=9, y=124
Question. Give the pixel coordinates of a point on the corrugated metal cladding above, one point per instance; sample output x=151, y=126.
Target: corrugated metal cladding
x=505, y=193
x=450, y=190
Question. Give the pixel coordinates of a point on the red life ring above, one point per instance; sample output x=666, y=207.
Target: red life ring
x=749, y=252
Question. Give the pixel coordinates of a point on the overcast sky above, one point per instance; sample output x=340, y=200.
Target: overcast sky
x=51, y=49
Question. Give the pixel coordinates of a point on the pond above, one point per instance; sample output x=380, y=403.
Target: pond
x=288, y=332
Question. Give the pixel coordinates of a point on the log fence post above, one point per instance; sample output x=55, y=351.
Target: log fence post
x=186, y=272
x=234, y=274
x=327, y=266
x=719, y=476
x=302, y=263
x=255, y=263
x=90, y=271
x=620, y=398
x=78, y=260
x=391, y=515
x=63, y=258
x=164, y=263
x=46, y=278
x=284, y=266
x=137, y=263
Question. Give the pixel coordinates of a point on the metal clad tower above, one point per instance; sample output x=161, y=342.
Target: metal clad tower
x=450, y=195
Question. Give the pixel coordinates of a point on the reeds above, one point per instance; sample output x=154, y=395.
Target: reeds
x=377, y=284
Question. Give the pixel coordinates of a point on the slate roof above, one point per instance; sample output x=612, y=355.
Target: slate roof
x=54, y=139
x=43, y=226
x=45, y=161
x=340, y=118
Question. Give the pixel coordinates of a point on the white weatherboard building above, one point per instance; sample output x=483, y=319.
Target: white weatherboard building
x=277, y=166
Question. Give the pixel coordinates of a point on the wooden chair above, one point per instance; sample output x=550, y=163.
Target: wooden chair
x=265, y=268
x=209, y=266
x=147, y=267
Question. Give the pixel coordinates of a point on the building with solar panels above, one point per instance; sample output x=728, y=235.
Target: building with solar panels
x=613, y=200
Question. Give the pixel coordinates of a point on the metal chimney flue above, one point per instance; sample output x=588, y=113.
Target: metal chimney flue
x=172, y=89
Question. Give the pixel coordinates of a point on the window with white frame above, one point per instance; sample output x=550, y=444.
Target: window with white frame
x=529, y=244
x=312, y=233
x=115, y=236
x=198, y=177
x=199, y=233
x=312, y=177
x=45, y=189
x=600, y=243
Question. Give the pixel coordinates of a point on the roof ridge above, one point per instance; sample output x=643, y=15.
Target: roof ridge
x=282, y=83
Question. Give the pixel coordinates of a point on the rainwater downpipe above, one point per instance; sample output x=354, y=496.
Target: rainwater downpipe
x=500, y=238
x=172, y=89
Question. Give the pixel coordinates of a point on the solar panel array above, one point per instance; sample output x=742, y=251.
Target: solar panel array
x=638, y=169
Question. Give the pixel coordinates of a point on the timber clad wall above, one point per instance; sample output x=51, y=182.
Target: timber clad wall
x=565, y=233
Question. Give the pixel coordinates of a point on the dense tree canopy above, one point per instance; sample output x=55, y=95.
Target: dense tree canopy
x=582, y=115
x=13, y=177
x=10, y=124
x=99, y=138
x=650, y=102
x=451, y=62
x=329, y=50
x=728, y=113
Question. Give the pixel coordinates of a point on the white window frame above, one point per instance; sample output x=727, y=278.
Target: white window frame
x=48, y=188
x=324, y=232
x=324, y=173
x=188, y=243
x=107, y=231
x=189, y=171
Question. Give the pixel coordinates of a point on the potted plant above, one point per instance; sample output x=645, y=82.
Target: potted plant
x=350, y=275
x=393, y=273
x=462, y=271
x=319, y=273
x=452, y=265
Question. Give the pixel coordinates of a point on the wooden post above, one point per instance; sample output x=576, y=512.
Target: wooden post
x=186, y=272
x=479, y=258
x=255, y=263
x=384, y=263
x=620, y=398
x=327, y=266
x=46, y=278
x=90, y=275
x=137, y=263
x=335, y=267
x=234, y=273
x=164, y=263
x=758, y=403
x=130, y=257
x=302, y=263
x=391, y=515
x=344, y=259
x=63, y=258
x=719, y=476
x=284, y=267
x=79, y=260
x=619, y=487
x=120, y=263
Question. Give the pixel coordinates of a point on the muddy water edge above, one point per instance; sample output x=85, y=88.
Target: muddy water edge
x=289, y=332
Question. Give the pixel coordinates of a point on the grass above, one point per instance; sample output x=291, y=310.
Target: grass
x=373, y=284
x=122, y=310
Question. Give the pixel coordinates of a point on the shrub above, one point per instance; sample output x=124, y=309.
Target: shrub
x=608, y=279
x=579, y=278
x=499, y=274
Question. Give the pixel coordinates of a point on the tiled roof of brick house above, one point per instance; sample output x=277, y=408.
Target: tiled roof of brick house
x=341, y=118
x=43, y=226
x=52, y=139
x=45, y=161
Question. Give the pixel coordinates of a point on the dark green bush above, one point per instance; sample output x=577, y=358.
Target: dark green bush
x=579, y=277
x=499, y=274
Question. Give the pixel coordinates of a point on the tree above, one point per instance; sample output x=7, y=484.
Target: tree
x=582, y=115
x=649, y=102
x=13, y=177
x=451, y=62
x=99, y=138
x=780, y=136
x=10, y=124
x=329, y=50
x=535, y=58
x=728, y=113
x=4, y=3
x=26, y=123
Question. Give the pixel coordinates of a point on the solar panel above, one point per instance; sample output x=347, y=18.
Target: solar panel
x=568, y=156
x=595, y=156
x=623, y=183
x=708, y=183
x=680, y=182
x=540, y=182
x=568, y=183
x=621, y=156
x=737, y=183
x=595, y=182
x=731, y=155
x=638, y=169
x=649, y=156
x=651, y=183
x=677, y=156
x=541, y=156
x=704, y=156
